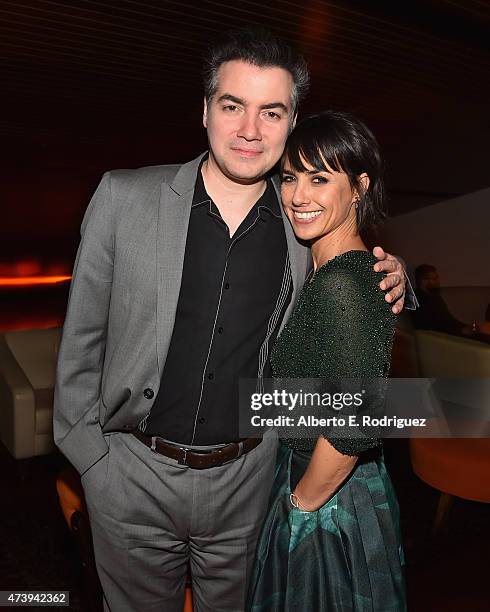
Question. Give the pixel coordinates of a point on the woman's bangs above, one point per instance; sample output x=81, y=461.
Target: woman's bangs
x=304, y=149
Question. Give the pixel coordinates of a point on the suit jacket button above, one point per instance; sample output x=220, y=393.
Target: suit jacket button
x=148, y=393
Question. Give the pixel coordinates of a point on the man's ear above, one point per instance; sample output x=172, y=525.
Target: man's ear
x=205, y=114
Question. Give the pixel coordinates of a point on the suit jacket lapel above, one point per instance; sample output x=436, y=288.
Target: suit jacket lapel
x=173, y=221
x=299, y=254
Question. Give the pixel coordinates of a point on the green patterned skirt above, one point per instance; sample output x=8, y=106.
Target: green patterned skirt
x=345, y=556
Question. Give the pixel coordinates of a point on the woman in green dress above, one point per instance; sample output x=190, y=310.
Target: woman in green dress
x=331, y=536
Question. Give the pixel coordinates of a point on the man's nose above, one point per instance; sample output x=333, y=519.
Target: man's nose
x=249, y=127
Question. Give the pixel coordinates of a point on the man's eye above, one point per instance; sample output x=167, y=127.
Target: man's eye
x=272, y=115
x=230, y=108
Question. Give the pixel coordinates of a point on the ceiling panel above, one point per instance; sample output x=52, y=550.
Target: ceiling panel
x=80, y=73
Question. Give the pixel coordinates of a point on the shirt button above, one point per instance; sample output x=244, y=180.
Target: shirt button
x=148, y=393
x=202, y=420
x=220, y=330
x=227, y=285
x=210, y=376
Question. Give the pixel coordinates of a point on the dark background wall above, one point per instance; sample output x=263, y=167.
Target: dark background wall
x=93, y=85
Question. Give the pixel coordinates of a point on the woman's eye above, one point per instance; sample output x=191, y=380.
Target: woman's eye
x=287, y=178
x=319, y=180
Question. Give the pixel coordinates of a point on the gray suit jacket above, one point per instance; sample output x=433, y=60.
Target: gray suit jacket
x=122, y=304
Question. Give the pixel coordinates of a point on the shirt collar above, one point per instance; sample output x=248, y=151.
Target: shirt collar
x=267, y=202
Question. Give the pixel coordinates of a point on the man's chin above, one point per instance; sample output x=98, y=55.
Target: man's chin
x=247, y=176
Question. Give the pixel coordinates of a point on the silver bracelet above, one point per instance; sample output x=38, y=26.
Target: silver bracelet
x=295, y=502
x=292, y=498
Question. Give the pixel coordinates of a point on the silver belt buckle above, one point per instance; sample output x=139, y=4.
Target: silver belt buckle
x=183, y=461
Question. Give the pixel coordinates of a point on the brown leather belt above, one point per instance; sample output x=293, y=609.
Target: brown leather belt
x=194, y=459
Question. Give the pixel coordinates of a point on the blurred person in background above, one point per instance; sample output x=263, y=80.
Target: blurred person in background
x=433, y=312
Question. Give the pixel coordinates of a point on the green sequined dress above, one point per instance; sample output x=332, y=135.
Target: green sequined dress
x=348, y=554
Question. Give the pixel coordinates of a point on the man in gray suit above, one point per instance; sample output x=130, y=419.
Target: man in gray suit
x=183, y=278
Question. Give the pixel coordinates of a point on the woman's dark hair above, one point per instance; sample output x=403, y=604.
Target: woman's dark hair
x=346, y=145
x=259, y=47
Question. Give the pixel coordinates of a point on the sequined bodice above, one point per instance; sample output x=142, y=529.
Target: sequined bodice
x=341, y=326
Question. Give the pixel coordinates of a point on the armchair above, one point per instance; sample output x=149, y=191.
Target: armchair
x=27, y=375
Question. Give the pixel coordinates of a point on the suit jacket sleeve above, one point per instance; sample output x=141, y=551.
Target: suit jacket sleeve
x=77, y=431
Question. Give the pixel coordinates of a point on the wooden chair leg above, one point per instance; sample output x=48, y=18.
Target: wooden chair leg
x=441, y=522
x=188, y=604
x=188, y=607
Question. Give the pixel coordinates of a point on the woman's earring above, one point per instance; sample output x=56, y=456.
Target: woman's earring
x=356, y=203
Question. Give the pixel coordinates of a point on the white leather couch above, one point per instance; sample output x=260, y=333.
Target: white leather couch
x=27, y=374
x=445, y=356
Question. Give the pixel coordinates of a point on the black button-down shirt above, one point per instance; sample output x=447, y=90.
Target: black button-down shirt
x=232, y=299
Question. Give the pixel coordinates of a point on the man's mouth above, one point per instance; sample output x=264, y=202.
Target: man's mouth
x=306, y=216
x=247, y=152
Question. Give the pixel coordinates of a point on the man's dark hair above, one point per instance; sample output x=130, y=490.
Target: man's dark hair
x=261, y=48
x=345, y=144
x=422, y=271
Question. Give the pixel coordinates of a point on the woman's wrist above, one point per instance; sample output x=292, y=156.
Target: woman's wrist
x=303, y=502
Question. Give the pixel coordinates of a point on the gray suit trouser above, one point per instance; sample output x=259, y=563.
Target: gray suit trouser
x=150, y=516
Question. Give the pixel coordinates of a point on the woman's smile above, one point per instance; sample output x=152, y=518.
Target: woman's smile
x=302, y=216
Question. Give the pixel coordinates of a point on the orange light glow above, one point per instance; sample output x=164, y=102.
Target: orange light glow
x=32, y=280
